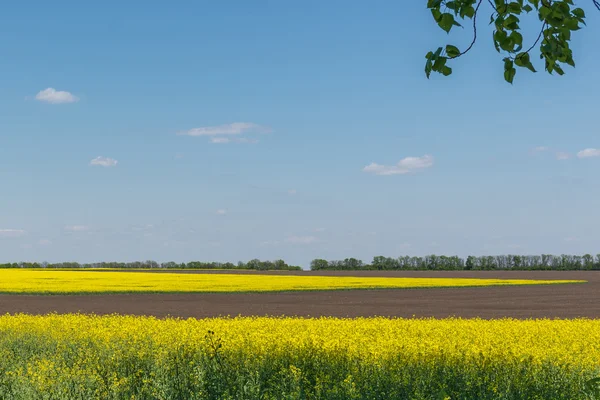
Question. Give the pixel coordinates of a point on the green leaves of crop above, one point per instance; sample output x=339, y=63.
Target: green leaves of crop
x=592, y=389
x=558, y=19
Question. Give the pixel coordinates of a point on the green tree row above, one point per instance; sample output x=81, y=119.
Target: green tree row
x=254, y=264
x=454, y=263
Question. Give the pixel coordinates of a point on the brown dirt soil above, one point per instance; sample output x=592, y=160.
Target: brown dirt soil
x=555, y=301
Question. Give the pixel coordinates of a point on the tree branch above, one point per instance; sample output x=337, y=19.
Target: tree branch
x=597, y=4
x=474, y=32
x=539, y=37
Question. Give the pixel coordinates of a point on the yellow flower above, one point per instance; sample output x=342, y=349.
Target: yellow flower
x=72, y=282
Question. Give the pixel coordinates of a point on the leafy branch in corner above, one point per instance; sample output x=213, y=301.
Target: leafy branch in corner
x=558, y=19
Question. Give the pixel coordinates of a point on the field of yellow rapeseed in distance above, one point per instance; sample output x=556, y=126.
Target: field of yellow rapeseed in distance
x=123, y=357
x=72, y=282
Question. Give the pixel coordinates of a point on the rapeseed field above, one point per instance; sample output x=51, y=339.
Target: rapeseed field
x=73, y=282
x=125, y=357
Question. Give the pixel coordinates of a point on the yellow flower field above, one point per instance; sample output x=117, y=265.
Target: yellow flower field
x=118, y=357
x=71, y=282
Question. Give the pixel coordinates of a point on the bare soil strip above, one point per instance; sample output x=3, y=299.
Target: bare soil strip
x=555, y=301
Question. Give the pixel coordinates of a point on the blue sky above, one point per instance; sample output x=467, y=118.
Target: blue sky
x=330, y=141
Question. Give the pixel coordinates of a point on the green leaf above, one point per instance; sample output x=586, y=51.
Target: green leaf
x=570, y=61
x=520, y=59
x=558, y=69
x=469, y=11
x=545, y=12
x=516, y=39
x=446, y=22
x=514, y=8
x=439, y=63
x=509, y=70
x=562, y=7
x=499, y=22
x=428, y=66
x=572, y=24
x=446, y=71
x=499, y=38
x=579, y=13
x=452, y=51
x=507, y=44
x=523, y=60
x=512, y=22
x=509, y=75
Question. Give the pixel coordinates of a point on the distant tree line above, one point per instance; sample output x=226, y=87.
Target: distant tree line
x=277, y=265
x=471, y=263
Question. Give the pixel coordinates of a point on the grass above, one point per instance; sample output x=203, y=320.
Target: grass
x=88, y=282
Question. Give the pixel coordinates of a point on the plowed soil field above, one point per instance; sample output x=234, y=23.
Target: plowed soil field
x=554, y=301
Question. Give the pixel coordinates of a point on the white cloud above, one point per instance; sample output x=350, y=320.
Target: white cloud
x=292, y=192
x=76, y=228
x=236, y=128
x=45, y=242
x=54, y=96
x=221, y=212
x=562, y=156
x=12, y=233
x=589, y=153
x=301, y=239
x=104, y=162
x=404, y=166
